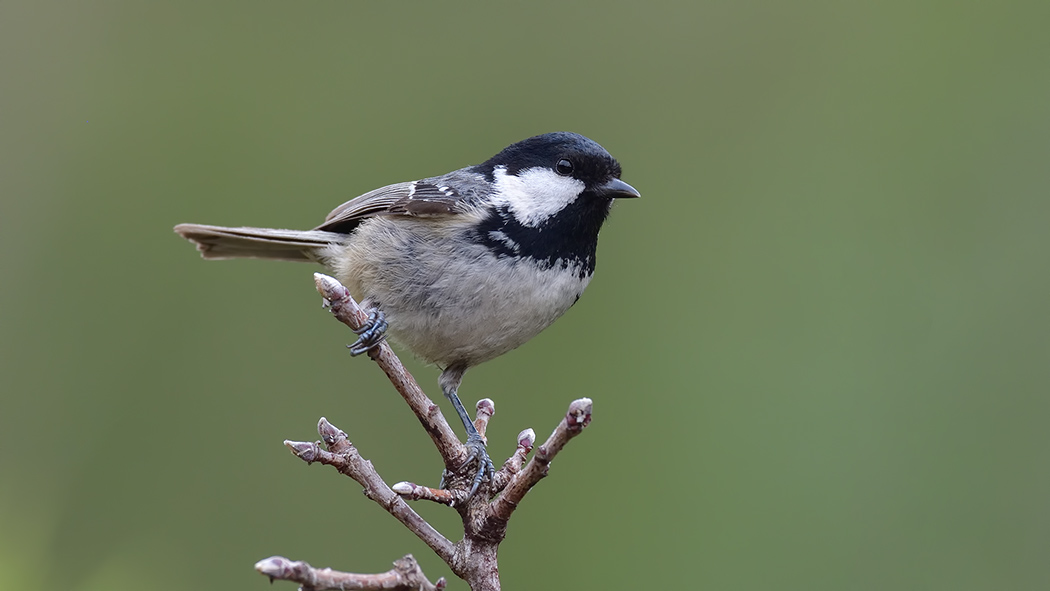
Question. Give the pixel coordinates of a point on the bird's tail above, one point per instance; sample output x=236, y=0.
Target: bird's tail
x=217, y=242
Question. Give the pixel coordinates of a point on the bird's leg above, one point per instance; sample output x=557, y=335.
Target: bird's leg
x=450, y=380
x=370, y=334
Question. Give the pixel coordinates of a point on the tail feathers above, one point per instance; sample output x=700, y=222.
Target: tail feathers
x=217, y=242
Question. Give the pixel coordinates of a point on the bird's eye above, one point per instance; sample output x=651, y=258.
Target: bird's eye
x=564, y=167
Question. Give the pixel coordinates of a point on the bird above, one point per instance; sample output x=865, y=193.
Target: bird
x=463, y=267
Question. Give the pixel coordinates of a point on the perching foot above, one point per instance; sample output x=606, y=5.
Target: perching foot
x=371, y=334
x=478, y=453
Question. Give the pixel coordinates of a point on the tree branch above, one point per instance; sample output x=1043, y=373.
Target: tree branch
x=486, y=408
x=578, y=417
x=411, y=491
x=405, y=576
x=473, y=558
x=342, y=455
x=345, y=309
x=526, y=439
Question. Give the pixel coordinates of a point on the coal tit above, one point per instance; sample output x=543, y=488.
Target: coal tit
x=463, y=267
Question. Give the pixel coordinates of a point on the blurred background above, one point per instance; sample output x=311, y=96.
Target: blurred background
x=818, y=346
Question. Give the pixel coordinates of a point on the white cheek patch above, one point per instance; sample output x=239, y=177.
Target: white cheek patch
x=535, y=194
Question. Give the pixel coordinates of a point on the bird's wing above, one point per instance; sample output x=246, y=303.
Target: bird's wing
x=425, y=198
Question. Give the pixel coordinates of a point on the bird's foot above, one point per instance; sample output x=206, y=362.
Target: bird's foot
x=371, y=334
x=477, y=453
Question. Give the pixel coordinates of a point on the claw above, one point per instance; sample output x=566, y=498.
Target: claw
x=485, y=465
x=478, y=454
x=371, y=334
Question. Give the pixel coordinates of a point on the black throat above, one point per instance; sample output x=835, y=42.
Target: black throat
x=568, y=238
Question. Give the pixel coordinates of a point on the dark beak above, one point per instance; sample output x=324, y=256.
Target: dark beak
x=618, y=189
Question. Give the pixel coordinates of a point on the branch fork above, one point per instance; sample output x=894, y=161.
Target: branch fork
x=485, y=514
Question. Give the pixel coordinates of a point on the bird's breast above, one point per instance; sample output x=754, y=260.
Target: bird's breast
x=449, y=299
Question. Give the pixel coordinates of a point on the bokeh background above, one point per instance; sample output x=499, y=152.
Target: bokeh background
x=819, y=345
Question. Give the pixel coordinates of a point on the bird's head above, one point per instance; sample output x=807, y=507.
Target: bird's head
x=543, y=175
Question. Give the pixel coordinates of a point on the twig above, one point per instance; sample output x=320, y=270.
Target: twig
x=526, y=439
x=578, y=417
x=411, y=491
x=405, y=576
x=486, y=409
x=342, y=455
x=346, y=310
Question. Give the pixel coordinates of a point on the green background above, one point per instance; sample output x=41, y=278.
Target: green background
x=818, y=346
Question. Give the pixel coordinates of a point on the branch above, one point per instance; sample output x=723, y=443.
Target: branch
x=474, y=558
x=486, y=409
x=578, y=417
x=405, y=576
x=526, y=439
x=344, y=457
x=410, y=491
x=346, y=310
